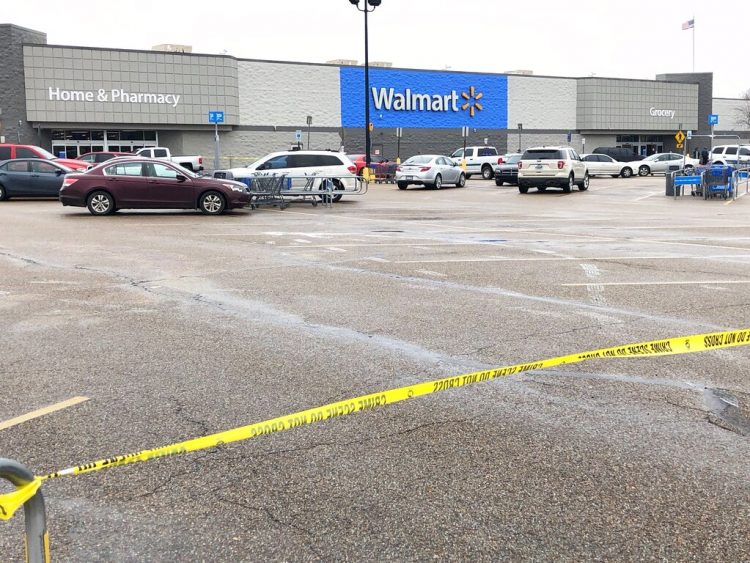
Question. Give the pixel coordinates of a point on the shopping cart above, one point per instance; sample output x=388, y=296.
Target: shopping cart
x=266, y=190
x=717, y=182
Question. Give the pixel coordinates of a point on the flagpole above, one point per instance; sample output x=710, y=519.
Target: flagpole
x=693, y=43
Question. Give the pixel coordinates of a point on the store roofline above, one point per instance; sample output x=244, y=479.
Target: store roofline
x=532, y=76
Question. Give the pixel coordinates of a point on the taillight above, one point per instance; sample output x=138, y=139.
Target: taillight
x=560, y=164
x=424, y=169
x=500, y=160
x=67, y=182
x=398, y=169
x=352, y=169
x=520, y=164
x=200, y=160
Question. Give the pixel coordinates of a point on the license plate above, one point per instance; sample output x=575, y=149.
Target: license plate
x=410, y=177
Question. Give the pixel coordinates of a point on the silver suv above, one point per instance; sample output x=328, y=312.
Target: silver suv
x=542, y=167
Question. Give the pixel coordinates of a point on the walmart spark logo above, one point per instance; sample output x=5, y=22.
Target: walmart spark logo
x=472, y=101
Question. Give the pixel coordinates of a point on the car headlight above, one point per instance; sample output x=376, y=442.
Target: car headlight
x=234, y=187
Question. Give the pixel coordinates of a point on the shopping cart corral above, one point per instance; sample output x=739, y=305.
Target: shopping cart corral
x=716, y=181
x=281, y=190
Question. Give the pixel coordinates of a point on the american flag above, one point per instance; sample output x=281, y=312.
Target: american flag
x=688, y=24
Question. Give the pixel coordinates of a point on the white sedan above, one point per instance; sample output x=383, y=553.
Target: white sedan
x=605, y=165
x=431, y=170
x=661, y=163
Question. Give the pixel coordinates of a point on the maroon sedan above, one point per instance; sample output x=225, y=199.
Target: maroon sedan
x=141, y=183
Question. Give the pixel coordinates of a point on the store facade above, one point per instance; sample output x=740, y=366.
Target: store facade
x=74, y=100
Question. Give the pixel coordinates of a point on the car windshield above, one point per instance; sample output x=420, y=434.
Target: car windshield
x=513, y=159
x=419, y=160
x=46, y=154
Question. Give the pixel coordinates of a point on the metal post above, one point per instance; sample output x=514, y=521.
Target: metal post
x=309, y=123
x=37, y=540
x=367, y=98
x=398, y=145
x=216, y=146
x=520, y=128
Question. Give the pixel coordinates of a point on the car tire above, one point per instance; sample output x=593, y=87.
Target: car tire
x=438, y=182
x=584, y=184
x=644, y=170
x=523, y=188
x=542, y=189
x=337, y=186
x=499, y=182
x=211, y=203
x=567, y=188
x=468, y=176
x=402, y=185
x=461, y=181
x=486, y=172
x=626, y=172
x=3, y=193
x=100, y=203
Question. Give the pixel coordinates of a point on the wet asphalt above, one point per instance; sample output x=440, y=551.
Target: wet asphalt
x=175, y=325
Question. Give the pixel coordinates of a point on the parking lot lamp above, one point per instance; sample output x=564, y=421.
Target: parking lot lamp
x=368, y=6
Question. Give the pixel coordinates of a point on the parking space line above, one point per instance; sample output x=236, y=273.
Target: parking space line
x=41, y=412
x=651, y=194
x=681, y=282
x=571, y=258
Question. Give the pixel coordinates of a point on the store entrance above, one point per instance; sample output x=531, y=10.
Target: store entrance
x=644, y=145
x=74, y=143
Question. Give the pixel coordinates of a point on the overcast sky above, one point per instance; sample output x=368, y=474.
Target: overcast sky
x=629, y=39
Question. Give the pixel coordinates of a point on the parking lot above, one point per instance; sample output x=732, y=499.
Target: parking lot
x=175, y=325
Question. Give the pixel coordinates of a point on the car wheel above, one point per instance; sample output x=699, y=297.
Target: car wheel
x=402, y=185
x=211, y=203
x=337, y=186
x=626, y=172
x=499, y=182
x=438, y=182
x=100, y=203
x=3, y=194
x=486, y=172
x=461, y=181
x=644, y=170
x=583, y=186
x=523, y=189
x=567, y=188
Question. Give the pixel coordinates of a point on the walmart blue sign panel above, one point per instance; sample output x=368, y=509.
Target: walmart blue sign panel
x=424, y=99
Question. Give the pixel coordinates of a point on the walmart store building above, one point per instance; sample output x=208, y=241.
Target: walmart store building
x=79, y=99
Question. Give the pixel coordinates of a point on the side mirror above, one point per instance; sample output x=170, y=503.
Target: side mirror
x=180, y=178
x=59, y=172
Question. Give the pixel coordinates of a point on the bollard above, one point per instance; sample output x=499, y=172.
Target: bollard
x=37, y=541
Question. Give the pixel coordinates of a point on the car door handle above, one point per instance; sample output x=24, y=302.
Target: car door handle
x=35, y=175
x=111, y=179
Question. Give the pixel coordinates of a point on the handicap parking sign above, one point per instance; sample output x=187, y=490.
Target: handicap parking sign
x=216, y=117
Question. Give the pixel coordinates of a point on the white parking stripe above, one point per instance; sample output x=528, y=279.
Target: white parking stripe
x=681, y=282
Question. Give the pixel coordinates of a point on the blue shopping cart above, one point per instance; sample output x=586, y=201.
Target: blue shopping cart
x=717, y=182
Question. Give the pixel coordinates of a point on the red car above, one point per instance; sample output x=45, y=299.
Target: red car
x=98, y=157
x=9, y=151
x=146, y=183
x=359, y=161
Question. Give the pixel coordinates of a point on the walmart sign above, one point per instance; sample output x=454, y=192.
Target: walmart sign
x=417, y=98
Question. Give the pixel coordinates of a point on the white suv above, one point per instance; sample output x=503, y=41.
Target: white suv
x=731, y=154
x=298, y=164
x=541, y=167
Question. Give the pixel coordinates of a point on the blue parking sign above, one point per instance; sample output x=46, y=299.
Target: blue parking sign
x=713, y=118
x=216, y=117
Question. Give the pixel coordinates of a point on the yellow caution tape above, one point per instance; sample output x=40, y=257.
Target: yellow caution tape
x=665, y=347
x=10, y=502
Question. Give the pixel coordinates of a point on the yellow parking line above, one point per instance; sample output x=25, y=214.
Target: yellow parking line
x=41, y=412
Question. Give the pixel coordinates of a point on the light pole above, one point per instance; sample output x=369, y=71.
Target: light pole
x=372, y=5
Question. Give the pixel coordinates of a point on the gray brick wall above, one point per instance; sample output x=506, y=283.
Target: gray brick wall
x=203, y=83
x=12, y=98
x=284, y=94
x=542, y=103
